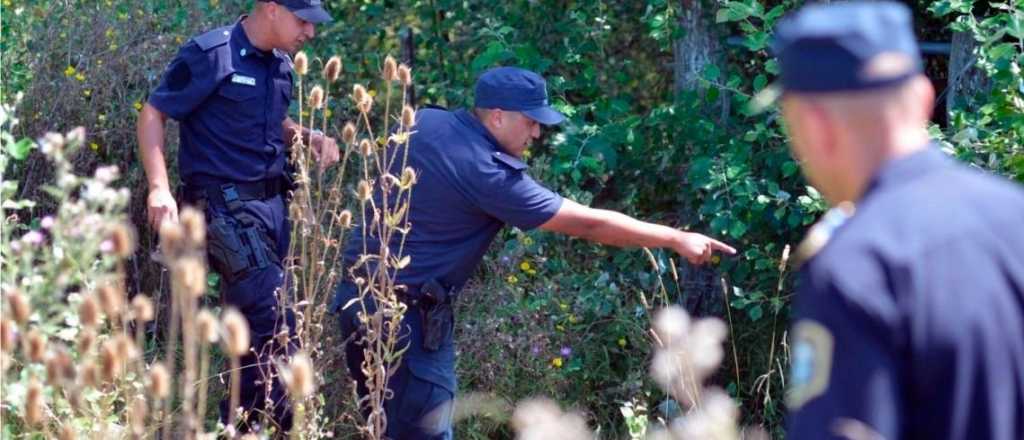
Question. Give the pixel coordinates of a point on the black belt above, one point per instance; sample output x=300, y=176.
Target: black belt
x=227, y=193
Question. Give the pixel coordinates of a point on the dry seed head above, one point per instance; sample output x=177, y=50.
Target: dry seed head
x=111, y=299
x=365, y=147
x=348, y=134
x=59, y=367
x=89, y=374
x=35, y=346
x=34, y=403
x=363, y=191
x=301, y=63
x=142, y=308
x=332, y=69
x=67, y=432
x=366, y=104
x=122, y=239
x=159, y=381
x=190, y=276
x=89, y=311
x=172, y=239
x=8, y=335
x=206, y=323
x=137, y=415
x=345, y=218
x=86, y=339
x=408, y=178
x=126, y=348
x=316, y=97
x=405, y=75
x=358, y=93
x=408, y=117
x=193, y=227
x=20, y=307
x=236, y=333
x=110, y=362
x=301, y=383
x=390, y=72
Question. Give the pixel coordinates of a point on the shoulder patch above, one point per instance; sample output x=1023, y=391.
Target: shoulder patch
x=509, y=160
x=811, y=363
x=821, y=232
x=214, y=38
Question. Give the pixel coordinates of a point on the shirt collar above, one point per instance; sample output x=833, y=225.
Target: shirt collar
x=243, y=44
x=472, y=122
x=907, y=168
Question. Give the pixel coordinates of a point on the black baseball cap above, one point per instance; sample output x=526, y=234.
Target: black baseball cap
x=309, y=10
x=515, y=89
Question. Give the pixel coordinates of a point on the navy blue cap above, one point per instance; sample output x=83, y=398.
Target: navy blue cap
x=515, y=89
x=846, y=47
x=309, y=10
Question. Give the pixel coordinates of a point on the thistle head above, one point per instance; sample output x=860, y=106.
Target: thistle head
x=408, y=117
x=366, y=147
x=345, y=218
x=193, y=227
x=142, y=308
x=363, y=191
x=405, y=75
x=122, y=240
x=89, y=311
x=190, y=276
x=206, y=323
x=333, y=69
x=21, y=310
x=236, y=333
x=390, y=71
x=35, y=346
x=301, y=382
x=159, y=381
x=111, y=299
x=301, y=63
x=358, y=93
x=316, y=97
x=348, y=134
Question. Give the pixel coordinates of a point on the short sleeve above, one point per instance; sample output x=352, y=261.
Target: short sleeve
x=189, y=79
x=845, y=373
x=502, y=189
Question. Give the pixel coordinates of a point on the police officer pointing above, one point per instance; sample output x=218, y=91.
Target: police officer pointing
x=229, y=89
x=910, y=309
x=471, y=183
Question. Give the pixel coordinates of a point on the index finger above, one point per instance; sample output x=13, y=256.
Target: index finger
x=717, y=245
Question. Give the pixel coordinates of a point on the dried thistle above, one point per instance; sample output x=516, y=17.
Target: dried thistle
x=126, y=348
x=190, y=275
x=363, y=191
x=89, y=311
x=408, y=178
x=408, y=117
x=390, y=71
x=59, y=367
x=206, y=323
x=34, y=404
x=20, y=307
x=9, y=334
x=111, y=299
x=89, y=374
x=236, y=333
x=542, y=419
x=332, y=69
x=405, y=75
x=193, y=227
x=159, y=381
x=35, y=346
x=67, y=432
x=142, y=308
x=365, y=147
x=110, y=361
x=348, y=134
x=366, y=104
x=359, y=93
x=122, y=240
x=301, y=382
x=345, y=218
x=86, y=340
x=172, y=239
x=137, y=415
x=316, y=97
x=301, y=63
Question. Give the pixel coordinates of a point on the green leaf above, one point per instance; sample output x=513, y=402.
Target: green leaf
x=738, y=230
x=712, y=72
x=755, y=313
x=789, y=168
x=760, y=81
x=19, y=150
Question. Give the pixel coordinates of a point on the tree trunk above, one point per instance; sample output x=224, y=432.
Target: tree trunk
x=966, y=81
x=699, y=47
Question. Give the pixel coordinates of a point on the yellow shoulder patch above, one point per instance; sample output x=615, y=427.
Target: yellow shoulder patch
x=811, y=363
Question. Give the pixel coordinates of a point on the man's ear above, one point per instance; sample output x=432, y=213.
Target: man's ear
x=822, y=129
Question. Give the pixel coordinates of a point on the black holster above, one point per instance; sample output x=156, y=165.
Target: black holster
x=435, y=306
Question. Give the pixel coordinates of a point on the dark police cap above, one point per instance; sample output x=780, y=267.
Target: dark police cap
x=846, y=47
x=515, y=89
x=309, y=10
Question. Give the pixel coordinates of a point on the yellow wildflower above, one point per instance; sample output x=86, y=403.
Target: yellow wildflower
x=527, y=241
x=7, y=3
x=563, y=306
x=512, y=279
x=102, y=117
x=109, y=33
x=560, y=327
x=137, y=105
x=87, y=93
x=556, y=362
x=715, y=259
x=94, y=146
x=80, y=77
x=622, y=342
x=531, y=272
x=70, y=71
x=525, y=266
x=573, y=319
x=179, y=39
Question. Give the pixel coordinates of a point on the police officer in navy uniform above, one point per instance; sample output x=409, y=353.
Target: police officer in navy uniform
x=229, y=89
x=909, y=316
x=471, y=183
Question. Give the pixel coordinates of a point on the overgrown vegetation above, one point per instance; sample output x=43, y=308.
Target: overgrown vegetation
x=546, y=315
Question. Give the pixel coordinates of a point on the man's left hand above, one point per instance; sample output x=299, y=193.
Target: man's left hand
x=325, y=149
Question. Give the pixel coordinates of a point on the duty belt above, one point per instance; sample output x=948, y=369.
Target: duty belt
x=229, y=193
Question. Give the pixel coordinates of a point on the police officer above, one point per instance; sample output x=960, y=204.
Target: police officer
x=910, y=309
x=471, y=183
x=229, y=89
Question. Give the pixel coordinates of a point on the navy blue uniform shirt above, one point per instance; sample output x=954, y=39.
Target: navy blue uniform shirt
x=467, y=190
x=231, y=100
x=910, y=320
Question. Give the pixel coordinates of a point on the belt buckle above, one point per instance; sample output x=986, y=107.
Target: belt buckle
x=230, y=192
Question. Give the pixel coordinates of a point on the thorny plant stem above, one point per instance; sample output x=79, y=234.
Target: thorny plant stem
x=732, y=340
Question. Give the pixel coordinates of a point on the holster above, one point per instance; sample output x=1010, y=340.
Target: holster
x=435, y=306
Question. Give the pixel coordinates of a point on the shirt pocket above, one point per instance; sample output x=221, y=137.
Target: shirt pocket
x=241, y=110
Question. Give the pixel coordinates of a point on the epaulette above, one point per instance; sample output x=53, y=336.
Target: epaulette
x=509, y=160
x=215, y=38
x=820, y=234
x=284, y=56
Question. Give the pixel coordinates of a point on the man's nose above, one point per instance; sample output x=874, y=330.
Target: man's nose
x=310, y=31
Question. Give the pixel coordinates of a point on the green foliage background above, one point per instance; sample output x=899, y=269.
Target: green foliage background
x=633, y=143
